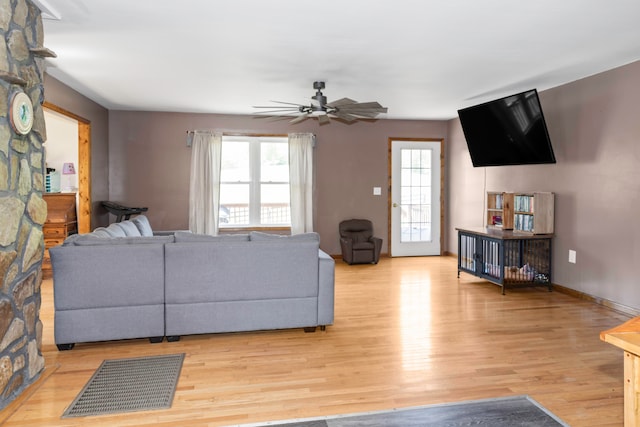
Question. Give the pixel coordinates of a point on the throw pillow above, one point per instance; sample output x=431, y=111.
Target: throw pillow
x=129, y=228
x=143, y=225
x=115, y=231
x=100, y=232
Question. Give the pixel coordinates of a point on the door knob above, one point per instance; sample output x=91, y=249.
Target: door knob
x=395, y=205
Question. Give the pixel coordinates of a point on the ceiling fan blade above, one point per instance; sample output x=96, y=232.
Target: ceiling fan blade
x=344, y=116
x=323, y=119
x=300, y=118
x=342, y=102
x=276, y=106
x=367, y=106
x=272, y=118
x=361, y=113
x=288, y=103
x=285, y=111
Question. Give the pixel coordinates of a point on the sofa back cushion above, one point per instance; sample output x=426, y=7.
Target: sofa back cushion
x=186, y=236
x=107, y=276
x=258, y=236
x=115, y=230
x=358, y=230
x=89, y=240
x=129, y=228
x=233, y=271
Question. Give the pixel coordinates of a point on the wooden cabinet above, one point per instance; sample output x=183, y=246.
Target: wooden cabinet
x=61, y=221
x=500, y=210
x=533, y=212
x=505, y=257
x=521, y=212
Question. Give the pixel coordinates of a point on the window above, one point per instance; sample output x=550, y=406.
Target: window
x=254, y=182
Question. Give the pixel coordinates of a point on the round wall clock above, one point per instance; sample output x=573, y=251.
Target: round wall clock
x=21, y=113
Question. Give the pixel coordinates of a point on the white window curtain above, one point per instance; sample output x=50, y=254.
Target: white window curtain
x=204, y=184
x=301, y=181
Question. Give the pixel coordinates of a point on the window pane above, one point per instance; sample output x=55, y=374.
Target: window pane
x=234, y=204
x=415, y=195
x=235, y=162
x=254, y=182
x=274, y=208
x=275, y=162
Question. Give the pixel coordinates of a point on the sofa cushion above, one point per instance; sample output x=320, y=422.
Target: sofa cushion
x=143, y=225
x=100, y=232
x=257, y=236
x=89, y=240
x=115, y=231
x=186, y=236
x=129, y=228
x=241, y=271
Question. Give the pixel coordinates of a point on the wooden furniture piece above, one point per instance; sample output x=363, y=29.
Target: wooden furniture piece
x=61, y=221
x=627, y=337
x=499, y=210
x=533, y=212
x=504, y=257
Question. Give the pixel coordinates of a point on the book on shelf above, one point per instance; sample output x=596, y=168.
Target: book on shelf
x=523, y=222
x=523, y=203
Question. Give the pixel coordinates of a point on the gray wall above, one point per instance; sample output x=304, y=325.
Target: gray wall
x=594, y=124
x=149, y=164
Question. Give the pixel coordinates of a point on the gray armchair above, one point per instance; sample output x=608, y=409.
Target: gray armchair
x=357, y=242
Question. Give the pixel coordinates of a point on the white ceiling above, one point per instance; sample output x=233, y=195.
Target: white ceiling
x=423, y=59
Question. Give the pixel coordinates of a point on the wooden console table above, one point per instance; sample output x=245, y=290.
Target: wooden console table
x=627, y=337
x=62, y=220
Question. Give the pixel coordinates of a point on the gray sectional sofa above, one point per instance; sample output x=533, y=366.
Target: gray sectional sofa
x=125, y=281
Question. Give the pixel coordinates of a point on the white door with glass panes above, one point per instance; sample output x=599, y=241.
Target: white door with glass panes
x=415, y=197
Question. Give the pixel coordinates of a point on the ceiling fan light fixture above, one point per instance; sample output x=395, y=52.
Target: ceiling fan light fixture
x=345, y=109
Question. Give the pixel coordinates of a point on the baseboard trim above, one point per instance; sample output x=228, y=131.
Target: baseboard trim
x=620, y=308
x=629, y=311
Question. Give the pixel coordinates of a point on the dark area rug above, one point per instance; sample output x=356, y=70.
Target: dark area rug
x=128, y=385
x=517, y=411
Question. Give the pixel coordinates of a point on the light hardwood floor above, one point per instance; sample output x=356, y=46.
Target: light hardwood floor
x=407, y=332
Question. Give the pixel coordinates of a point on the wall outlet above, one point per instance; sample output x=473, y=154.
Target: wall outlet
x=572, y=256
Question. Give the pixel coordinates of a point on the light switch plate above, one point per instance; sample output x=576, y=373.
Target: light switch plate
x=377, y=191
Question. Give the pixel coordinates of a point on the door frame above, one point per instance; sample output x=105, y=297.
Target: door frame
x=390, y=183
x=84, y=166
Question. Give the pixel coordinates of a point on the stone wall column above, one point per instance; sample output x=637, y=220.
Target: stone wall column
x=22, y=209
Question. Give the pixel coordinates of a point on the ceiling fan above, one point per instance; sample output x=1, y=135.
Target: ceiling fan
x=344, y=109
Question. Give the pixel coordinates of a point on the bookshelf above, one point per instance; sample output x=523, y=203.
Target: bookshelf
x=500, y=210
x=533, y=212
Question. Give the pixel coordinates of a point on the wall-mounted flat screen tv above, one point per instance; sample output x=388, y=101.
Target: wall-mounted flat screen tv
x=507, y=131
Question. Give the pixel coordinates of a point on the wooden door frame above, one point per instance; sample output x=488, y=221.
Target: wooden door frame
x=84, y=166
x=390, y=178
